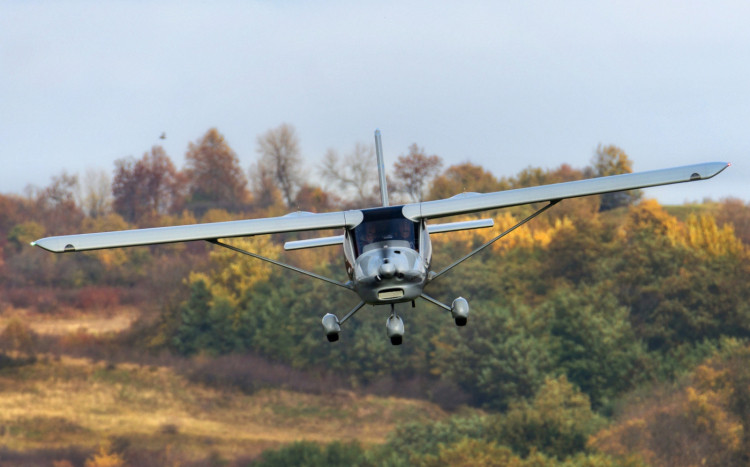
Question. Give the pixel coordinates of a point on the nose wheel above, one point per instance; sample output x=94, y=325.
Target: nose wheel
x=394, y=327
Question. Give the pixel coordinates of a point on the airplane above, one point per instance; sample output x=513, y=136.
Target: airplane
x=387, y=249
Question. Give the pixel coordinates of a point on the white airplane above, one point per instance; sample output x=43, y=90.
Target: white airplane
x=387, y=249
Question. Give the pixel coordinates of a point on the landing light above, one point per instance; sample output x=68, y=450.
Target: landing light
x=390, y=294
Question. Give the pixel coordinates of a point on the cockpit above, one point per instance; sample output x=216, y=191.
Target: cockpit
x=385, y=225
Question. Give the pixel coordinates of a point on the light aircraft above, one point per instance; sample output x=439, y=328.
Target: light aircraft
x=387, y=249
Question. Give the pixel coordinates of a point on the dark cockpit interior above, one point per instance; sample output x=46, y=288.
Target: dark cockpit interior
x=385, y=225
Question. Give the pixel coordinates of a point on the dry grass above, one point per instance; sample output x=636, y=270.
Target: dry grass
x=69, y=321
x=75, y=403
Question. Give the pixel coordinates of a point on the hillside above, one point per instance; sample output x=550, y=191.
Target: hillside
x=74, y=404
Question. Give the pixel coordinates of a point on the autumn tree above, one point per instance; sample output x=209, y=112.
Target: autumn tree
x=734, y=211
x=266, y=194
x=414, y=170
x=280, y=157
x=611, y=160
x=557, y=421
x=353, y=174
x=465, y=177
x=56, y=205
x=13, y=210
x=145, y=188
x=314, y=198
x=214, y=176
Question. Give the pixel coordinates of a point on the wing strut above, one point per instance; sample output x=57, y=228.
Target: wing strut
x=283, y=265
x=435, y=276
x=354, y=310
x=435, y=302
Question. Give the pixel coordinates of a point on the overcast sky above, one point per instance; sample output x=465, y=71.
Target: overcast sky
x=502, y=84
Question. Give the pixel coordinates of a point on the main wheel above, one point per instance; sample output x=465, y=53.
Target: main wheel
x=397, y=340
x=461, y=320
x=333, y=337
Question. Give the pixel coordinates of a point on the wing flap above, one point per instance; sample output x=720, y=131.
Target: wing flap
x=186, y=233
x=593, y=186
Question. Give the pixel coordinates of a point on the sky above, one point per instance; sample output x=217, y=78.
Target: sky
x=506, y=85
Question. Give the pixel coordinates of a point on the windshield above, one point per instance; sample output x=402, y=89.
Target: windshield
x=382, y=230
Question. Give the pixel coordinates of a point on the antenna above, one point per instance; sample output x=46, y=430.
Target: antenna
x=381, y=169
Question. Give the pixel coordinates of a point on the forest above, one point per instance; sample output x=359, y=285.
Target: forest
x=612, y=330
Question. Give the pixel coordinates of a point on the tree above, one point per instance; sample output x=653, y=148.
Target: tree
x=737, y=213
x=146, y=188
x=594, y=342
x=505, y=358
x=314, y=198
x=557, y=422
x=56, y=205
x=355, y=174
x=215, y=178
x=266, y=195
x=611, y=160
x=414, y=170
x=461, y=178
x=194, y=330
x=280, y=157
x=95, y=193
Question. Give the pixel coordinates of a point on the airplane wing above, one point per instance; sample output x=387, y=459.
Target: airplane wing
x=348, y=219
x=594, y=186
x=294, y=222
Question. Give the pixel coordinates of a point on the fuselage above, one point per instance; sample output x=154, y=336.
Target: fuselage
x=387, y=256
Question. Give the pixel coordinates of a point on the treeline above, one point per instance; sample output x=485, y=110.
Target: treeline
x=569, y=314
x=212, y=186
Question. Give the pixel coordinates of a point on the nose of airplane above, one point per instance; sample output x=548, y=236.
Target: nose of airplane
x=387, y=269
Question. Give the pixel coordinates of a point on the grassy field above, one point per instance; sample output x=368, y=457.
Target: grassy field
x=64, y=403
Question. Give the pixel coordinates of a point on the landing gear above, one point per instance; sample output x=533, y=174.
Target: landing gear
x=394, y=327
x=460, y=311
x=459, y=308
x=332, y=327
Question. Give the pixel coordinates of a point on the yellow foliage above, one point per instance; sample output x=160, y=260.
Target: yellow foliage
x=702, y=234
x=650, y=215
x=524, y=236
x=185, y=218
x=707, y=404
x=216, y=215
x=233, y=274
x=105, y=458
x=699, y=233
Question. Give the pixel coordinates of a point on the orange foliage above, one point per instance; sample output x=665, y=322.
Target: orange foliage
x=700, y=424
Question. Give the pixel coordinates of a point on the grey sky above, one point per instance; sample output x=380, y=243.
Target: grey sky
x=502, y=84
